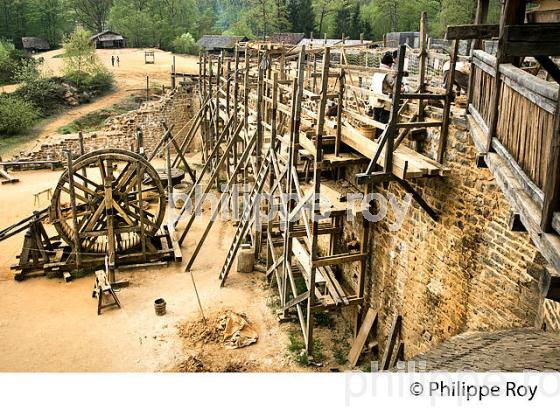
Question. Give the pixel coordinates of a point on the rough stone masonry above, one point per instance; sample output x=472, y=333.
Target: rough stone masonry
x=466, y=272
x=175, y=108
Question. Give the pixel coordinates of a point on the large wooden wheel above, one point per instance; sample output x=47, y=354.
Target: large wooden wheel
x=111, y=190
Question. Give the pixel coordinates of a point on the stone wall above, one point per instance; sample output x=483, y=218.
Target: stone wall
x=468, y=271
x=177, y=107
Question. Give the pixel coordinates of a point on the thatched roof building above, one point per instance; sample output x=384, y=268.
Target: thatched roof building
x=287, y=38
x=108, y=39
x=35, y=44
x=217, y=43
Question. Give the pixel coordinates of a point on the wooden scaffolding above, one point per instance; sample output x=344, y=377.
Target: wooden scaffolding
x=268, y=124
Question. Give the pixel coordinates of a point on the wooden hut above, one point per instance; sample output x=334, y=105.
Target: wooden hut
x=34, y=44
x=108, y=39
x=218, y=43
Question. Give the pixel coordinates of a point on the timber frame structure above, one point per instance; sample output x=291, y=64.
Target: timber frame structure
x=514, y=117
x=268, y=124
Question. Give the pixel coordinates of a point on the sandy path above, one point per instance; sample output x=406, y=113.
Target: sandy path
x=130, y=77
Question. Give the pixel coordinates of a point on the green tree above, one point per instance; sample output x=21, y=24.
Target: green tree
x=322, y=9
x=261, y=13
x=185, y=44
x=153, y=23
x=92, y=14
x=16, y=114
x=80, y=58
x=301, y=16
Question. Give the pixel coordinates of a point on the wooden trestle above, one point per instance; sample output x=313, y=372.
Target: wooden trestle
x=265, y=125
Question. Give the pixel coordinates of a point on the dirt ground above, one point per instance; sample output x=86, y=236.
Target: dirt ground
x=50, y=325
x=130, y=78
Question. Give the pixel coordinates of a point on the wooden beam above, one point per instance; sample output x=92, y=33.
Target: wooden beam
x=448, y=100
x=359, y=341
x=472, y=31
x=391, y=341
x=513, y=12
x=522, y=40
x=338, y=259
x=552, y=178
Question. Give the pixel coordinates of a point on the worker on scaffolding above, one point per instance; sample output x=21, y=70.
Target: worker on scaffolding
x=382, y=84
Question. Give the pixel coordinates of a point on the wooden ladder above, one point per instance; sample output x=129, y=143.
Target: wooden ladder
x=246, y=219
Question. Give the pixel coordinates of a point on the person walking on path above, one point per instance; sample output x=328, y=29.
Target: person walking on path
x=113, y=61
x=118, y=61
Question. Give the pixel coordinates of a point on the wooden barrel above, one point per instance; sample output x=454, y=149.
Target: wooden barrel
x=160, y=306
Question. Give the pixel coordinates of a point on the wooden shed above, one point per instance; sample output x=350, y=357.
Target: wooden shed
x=217, y=43
x=109, y=39
x=34, y=44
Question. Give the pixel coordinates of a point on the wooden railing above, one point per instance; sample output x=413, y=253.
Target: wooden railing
x=525, y=123
x=483, y=88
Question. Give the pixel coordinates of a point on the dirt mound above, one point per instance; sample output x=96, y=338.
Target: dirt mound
x=212, y=345
x=197, y=363
x=232, y=329
x=200, y=331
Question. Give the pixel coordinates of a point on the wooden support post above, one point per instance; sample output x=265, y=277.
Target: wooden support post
x=82, y=152
x=235, y=113
x=81, y=140
x=316, y=212
x=76, y=228
x=170, y=201
x=341, y=81
x=140, y=199
x=293, y=147
x=364, y=249
x=273, y=145
x=480, y=18
x=259, y=108
x=111, y=248
x=422, y=63
x=391, y=341
x=551, y=187
x=147, y=88
x=139, y=141
x=173, y=74
x=200, y=80
x=513, y=12
x=448, y=101
x=391, y=129
x=228, y=112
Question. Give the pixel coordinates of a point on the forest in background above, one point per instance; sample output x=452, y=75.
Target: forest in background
x=162, y=23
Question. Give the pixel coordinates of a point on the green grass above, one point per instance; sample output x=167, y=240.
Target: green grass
x=96, y=120
x=9, y=143
x=297, y=349
x=323, y=319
